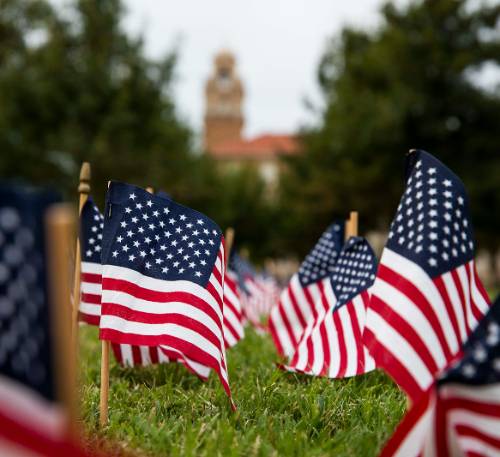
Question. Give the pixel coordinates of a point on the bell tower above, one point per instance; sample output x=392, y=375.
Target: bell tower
x=223, y=100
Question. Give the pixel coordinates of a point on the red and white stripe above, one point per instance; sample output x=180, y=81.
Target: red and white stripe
x=90, y=296
x=140, y=310
x=129, y=355
x=416, y=325
x=297, y=307
x=233, y=317
x=256, y=304
x=332, y=344
x=457, y=420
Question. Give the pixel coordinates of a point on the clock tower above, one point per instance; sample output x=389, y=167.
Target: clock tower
x=223, y=100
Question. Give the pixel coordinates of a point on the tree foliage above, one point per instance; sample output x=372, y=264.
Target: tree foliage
x=405, y=85
x=77, y=87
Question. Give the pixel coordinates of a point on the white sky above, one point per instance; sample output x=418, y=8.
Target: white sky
x=278, y=44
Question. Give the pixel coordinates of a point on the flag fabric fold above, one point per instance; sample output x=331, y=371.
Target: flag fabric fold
x=163, y=278
x=427, y=297
x=332, y=343
x=304, y=298
x=460, y=414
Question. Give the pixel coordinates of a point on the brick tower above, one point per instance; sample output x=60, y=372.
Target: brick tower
x=223, y=100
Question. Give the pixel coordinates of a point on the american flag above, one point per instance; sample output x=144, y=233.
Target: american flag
x=460, y=414
x=304, y=298
x=91, y=229
x=427, y=297
x=32, y=420
x=233, y=316
x=163, y=278
x=255, y=294
x=332, y=343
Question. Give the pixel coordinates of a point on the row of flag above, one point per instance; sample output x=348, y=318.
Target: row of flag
x=161, y=284
x=421, y=314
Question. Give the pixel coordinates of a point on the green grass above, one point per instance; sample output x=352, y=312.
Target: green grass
x=165, y=410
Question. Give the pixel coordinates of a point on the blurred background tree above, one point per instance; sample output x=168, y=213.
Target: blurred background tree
x=407, y=84
x=75, y=86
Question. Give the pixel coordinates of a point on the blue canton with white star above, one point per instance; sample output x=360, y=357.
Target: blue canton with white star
x=432, y=225
x=158, y=237
x=26, y=345
x=481, y=361
x=91, y=228
x=319, y=263
x=354, y=270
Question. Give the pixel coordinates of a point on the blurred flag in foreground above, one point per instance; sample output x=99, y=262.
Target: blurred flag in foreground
x=460, y=414
x=304, y=298
x=332, y=343
x=163, y=278
x=33, y=420
x=427, y=297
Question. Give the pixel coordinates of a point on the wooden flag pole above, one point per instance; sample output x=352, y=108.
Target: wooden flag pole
x=83, y=191
x=351, y=225
x=104, y=392
x=228, y=238
x=60, y=225
x=150, y=189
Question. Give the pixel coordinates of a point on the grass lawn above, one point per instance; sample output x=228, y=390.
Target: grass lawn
x=166, y=411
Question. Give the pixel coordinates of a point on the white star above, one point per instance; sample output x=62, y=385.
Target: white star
x=178, y=230
x=147, y=265
x=115, y=253
x=142, y=253
x=171, y=221
x=130, y=233
x=167, y=234
x=192, y=265
x=128, y=210
x=447, y=183
x=147, y=240
x=431, y=171
x=97, y=248
x=151, y=226
x=136, y=244
x=119, y=239
x=125, y=248
x=156, y=214
x=432, y=262
x=181, y=270
x=460, y=200
x=159, y=261
x=173, y=243
x=163, y=247
x=123, y=224
x=176, y=264
x=132, y=196
x=134, y=220
x=145, y=216
x=149, y=203
x=200, y=222
x=164, y=270
x=166, y=210
x=140, y=229
x=138, y=205
x=152, y=251
x=196, y=253
x=89, y=253
x=198, y=274
x=131, y=257
x=182, y=217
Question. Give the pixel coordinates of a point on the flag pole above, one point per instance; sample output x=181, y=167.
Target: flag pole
x=351, y=225
x=104, y=391
x=150, y=189
x=228, y=238
x=83, y=191
x=60, y=228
